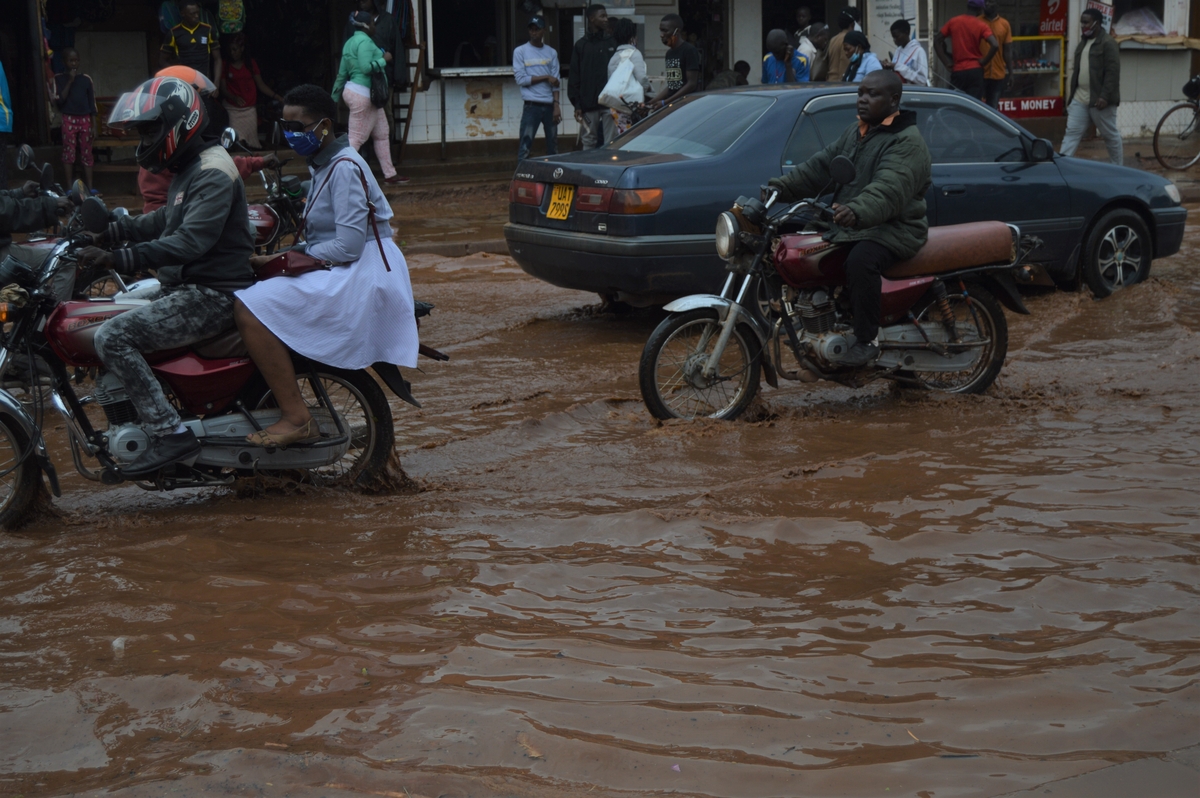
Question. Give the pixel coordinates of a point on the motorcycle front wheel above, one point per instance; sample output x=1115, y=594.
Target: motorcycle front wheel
x=19, y=475
x=671, y=371
x=363, y=406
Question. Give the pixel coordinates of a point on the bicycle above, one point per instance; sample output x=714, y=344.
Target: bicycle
x=1177, y=137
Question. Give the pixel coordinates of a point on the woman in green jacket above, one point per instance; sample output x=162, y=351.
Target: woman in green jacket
x=360, y=58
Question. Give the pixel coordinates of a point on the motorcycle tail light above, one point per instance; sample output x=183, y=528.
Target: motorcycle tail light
x=636, y=200
x=3, y=312
x=526, y=192
x=593, y=200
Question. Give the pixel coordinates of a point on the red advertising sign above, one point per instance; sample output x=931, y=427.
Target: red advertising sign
x=1054, y=18
x=1025, y=107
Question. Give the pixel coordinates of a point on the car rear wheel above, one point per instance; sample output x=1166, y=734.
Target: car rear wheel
x=1118, y=253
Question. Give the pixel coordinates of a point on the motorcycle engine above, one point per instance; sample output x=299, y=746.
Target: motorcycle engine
x=818, y=317
x=127, y=441
x=111, y=396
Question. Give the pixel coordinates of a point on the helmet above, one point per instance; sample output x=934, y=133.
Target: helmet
x=168, y=116
x=198, y=79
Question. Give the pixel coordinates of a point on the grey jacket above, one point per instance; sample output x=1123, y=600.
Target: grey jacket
x=201, y=236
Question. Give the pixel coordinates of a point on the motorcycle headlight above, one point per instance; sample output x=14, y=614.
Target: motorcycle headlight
x=727, y=231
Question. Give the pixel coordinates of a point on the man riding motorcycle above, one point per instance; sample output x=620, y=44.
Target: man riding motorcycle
x=882, y=213
x=200, y=243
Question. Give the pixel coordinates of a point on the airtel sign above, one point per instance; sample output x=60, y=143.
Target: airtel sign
x=1054, y=18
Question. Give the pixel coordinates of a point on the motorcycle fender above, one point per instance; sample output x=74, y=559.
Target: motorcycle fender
x=1005, y=289
x=393, y=379
x=719, y=304
x=10, y=407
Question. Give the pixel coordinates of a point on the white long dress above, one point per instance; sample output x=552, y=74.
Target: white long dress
x=357, y=313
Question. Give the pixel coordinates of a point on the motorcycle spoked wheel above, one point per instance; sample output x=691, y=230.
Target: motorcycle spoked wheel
x=18, y=478
x=363, y=406
x=670, y=377
x=978, y=316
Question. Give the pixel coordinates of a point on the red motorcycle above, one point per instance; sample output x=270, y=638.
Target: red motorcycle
x=942, y=325
x=216, y=387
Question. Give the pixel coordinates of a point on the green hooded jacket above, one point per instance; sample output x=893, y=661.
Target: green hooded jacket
x=888, y=194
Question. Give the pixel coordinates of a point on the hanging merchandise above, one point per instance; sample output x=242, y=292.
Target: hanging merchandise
x=231, y=16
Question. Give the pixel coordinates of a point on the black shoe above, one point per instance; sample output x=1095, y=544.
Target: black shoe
x=859, y=355
x=164, y=451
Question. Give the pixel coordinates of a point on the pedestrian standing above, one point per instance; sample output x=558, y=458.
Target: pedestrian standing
x=783, y=64
x=967, y=34
x=683, y=62
x=192, y=42
x=1095, y=88
x=535, y=66
x=995, y=74
x=386, y=32
x=860, y=60
x=802, y=39
x=361, y=57
x=240, y=84
x=909, y=61
x=847, y=21
x=6, y=126
x=75, y=97
x=625, y=32
x=589, y=73
x=818, y=34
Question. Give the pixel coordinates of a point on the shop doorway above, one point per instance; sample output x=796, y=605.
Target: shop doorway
x=706, y=25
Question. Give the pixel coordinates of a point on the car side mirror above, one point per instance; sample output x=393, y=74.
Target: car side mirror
x=24, y=157
x=94, y=215
x=228, y=137
x=842, y=170
x=1041, y=150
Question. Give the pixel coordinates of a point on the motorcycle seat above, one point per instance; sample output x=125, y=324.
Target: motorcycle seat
x=226, y=345
x=958, y=246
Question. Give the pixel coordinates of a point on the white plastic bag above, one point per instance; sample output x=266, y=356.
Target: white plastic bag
x=623, y=92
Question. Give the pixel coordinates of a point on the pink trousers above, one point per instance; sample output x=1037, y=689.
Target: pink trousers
x=369, y=122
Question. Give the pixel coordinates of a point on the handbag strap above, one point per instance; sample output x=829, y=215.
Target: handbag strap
x=370, y=206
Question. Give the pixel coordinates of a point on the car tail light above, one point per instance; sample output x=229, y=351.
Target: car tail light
x=526, y=192
x=636, y=200
x=593, y=200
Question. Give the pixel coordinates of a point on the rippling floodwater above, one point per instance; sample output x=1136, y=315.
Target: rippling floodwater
x=855, y=593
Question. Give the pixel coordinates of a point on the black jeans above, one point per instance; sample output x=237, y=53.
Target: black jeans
x=863, y=266
x=969, y=80
x=992, y=90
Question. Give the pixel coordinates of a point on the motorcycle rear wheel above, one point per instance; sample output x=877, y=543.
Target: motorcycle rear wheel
x=363, y=406
x=670, y=377
x=18, y=477
x=978, y=316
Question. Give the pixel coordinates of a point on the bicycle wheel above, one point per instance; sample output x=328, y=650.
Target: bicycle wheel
x=1177, y=137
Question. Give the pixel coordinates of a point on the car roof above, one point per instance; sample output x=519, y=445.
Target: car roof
x=799, y=90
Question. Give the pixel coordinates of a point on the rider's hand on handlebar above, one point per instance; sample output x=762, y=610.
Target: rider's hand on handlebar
x=94, y=255
x=63, y=205
x=843, y=216
x=271, y=159
x=31, y=189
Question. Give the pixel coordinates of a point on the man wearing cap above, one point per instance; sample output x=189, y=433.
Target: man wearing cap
x=535, y=67
x=967, y=32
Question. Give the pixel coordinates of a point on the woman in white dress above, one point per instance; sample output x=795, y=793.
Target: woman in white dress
x=359, y=312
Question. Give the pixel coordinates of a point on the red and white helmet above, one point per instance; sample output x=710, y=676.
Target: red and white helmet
x=168, y=115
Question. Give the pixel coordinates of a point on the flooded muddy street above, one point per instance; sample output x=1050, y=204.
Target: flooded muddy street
x=853, y=593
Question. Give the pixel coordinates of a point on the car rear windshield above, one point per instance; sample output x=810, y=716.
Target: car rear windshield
x=707, y=125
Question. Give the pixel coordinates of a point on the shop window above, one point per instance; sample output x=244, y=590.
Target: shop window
x=1138, y=16
x=474, y=33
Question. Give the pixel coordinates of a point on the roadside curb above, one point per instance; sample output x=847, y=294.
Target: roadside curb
x=457, y=249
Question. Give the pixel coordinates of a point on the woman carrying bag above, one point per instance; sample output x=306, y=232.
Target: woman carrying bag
x=625, y=32
x=361, y=60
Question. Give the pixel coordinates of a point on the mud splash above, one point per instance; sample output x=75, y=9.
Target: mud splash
x=854, y=593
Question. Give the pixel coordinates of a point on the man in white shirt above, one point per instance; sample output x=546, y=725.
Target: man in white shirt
x=535, y=66
x=910, y=61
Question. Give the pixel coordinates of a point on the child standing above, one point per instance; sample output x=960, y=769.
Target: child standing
x=75, y=97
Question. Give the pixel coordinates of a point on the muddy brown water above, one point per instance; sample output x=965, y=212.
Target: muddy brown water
x=851, y=593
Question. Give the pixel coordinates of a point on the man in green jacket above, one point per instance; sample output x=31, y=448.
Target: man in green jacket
x=881, y=215
x=1095, y=88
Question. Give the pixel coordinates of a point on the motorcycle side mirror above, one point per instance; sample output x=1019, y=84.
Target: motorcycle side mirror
x=79, y=192
x=228, y=137
x=842, y=170
x=94, y=215
x=47, y=176
x=24, y=157
x=1041, y=150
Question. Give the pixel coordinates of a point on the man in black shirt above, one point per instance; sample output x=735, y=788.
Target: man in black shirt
x=683, y=63
x=192, y=43
x=589, y=73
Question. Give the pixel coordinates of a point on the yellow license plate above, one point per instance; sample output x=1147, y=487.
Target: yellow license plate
x=560, y=202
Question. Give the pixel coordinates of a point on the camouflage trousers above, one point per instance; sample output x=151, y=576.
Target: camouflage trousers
x=177, y=316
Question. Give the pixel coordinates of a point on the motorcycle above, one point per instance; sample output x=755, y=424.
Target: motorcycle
x=942, y=329
x=214, y=384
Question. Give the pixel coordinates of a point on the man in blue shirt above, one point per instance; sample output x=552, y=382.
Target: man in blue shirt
x=783, y=64
x=535, y=67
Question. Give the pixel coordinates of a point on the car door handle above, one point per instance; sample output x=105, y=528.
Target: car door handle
x=954, y=188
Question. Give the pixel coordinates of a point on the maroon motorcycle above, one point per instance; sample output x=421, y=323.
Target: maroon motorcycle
x=216, y=387
x=942, y=326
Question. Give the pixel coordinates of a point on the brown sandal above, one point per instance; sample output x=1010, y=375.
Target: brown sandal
x=310, y=431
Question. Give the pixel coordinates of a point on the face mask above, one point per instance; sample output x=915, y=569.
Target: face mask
x=1087, y=34
x=303, y=143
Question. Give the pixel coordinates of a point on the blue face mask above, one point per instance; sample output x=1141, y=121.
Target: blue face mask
x=305, y=143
